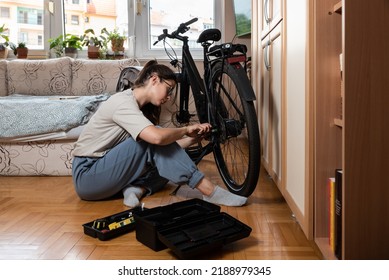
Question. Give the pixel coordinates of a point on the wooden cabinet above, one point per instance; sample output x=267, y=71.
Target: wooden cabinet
x=327, y=92
x=282, y=100
x=358, y=144
x=345, y=125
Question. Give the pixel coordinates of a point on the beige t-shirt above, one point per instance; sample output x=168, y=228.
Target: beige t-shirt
x=116, y=119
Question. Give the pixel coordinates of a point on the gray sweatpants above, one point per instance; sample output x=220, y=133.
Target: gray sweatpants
x=133, y=163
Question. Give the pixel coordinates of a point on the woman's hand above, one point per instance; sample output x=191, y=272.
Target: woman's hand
x=198, y=130
x=164, y=136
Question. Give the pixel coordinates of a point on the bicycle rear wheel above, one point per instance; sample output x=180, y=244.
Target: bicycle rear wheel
x=237, y=145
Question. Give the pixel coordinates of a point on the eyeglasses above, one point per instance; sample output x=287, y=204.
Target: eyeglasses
x=170, y=88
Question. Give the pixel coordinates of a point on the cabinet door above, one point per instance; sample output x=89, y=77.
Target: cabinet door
x=270, y=104
x=271, y=15
x=264, y=104
x=276, y=100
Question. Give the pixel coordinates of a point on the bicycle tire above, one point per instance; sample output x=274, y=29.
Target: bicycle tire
x=236, y=150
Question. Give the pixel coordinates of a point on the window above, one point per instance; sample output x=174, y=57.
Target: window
x=36, y=23
x=162, y=15
x=40, y=40
x=40, y=19
x=157, y=15
x=29, y=16
x=75, y=20
x=23, y=37
x=4, y=12
x=25, y=20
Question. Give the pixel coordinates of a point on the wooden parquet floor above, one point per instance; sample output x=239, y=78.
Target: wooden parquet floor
x=41, y=218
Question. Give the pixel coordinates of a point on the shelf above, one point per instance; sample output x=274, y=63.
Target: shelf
x=329, y=123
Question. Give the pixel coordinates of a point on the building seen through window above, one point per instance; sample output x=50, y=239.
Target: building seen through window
x=168, y=14
x=28, y=21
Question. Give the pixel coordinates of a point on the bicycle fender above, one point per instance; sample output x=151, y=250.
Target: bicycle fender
x=237, y=70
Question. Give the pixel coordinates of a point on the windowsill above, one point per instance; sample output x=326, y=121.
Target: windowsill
x=41, y=54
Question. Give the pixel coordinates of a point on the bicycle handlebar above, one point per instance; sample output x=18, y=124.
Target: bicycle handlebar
x=175, y=34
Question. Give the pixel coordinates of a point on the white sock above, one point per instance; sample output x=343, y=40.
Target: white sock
x=224, y=197
x=132, y=195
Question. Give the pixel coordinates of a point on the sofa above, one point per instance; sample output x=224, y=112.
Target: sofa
x=29, y=88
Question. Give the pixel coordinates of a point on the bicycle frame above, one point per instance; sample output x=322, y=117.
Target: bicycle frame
x=190, y=78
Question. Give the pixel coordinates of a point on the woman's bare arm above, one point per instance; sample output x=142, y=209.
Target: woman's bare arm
x=164, y=136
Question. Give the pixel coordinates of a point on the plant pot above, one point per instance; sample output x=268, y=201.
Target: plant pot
x=117, y=45
x=22, y=53
x=71, y=52
x=93, y=52
x=4, y=53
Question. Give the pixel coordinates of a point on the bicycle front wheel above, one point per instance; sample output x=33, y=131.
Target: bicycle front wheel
x=237, y=141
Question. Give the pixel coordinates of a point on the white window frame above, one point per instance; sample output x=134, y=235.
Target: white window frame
x=53, y=22
x=139, y=34
x=137, y=28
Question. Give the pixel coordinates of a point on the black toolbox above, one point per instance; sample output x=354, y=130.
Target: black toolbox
x=189, y=228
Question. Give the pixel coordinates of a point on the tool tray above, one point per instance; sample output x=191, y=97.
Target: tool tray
x=107, y=234
x=189, y=228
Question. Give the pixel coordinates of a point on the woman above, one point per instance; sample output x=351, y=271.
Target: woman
x=123, y=150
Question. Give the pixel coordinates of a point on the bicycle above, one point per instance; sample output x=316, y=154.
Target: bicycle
x=224, y=98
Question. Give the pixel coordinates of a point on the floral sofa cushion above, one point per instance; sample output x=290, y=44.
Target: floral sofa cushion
x=3, y=75
x=91, y=78
x=40, y=77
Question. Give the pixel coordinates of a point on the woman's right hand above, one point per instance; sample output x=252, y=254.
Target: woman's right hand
x=198, y=130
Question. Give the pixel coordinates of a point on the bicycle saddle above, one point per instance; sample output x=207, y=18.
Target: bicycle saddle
x=209, y=35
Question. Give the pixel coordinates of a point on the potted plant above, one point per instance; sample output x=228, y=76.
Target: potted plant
x=97, y=45
x=20, y=50
x=56, y=44
x=4, y=42
x=117, y=40
x=69, y=43
x=72, y=43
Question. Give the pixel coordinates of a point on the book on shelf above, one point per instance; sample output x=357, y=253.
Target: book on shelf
x=331, y=213
x=338, y=213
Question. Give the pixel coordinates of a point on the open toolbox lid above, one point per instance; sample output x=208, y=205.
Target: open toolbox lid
x=189, y=228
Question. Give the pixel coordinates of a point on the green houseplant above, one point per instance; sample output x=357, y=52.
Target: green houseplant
x=20, y=49
x=116, y=39
x=97, y=45
x=69, y=43
x=56, y=44
x=4, y=42
x=72, y=43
